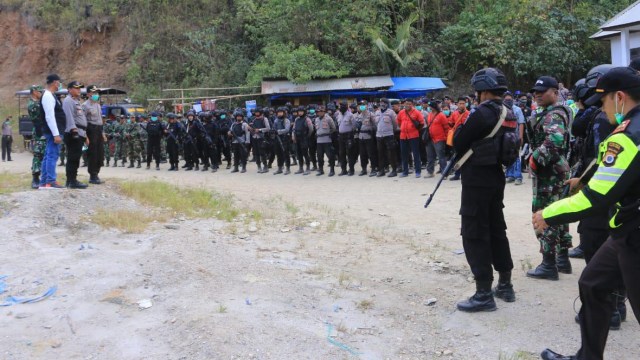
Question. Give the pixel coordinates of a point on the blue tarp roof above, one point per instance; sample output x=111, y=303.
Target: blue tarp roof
x=416, y=84
x=403, y=87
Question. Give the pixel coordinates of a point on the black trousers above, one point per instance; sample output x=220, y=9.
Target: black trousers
x=347, y=151
x=223, y=145
x=74, y=153
x=387, y=153
x=7, y=140
x=615, y=264
x=592, y=240
x=211, y=155
x=260, y=151
x=239, y=154
x=313, y=149
x=302, y=151
x=484, y=235
x=326, y=149
x=282, y=155
x=173, y=151
x=153, y=149
x=368, y=153
x=189, y=153
x=95, y=153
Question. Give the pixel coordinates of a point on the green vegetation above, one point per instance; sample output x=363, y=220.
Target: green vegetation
x=129, y=222
x=204, y=43
x=190, y=202
x=10, y=182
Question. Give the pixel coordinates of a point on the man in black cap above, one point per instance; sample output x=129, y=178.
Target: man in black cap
x=95, y=133
x=75, y=135
x=55, y=123
x=549, y=165
x=614, y=183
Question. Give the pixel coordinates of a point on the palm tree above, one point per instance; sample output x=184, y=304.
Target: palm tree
x=395, y=52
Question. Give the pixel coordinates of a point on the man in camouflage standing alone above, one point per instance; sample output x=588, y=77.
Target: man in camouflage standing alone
x=39, y=141
x=549, y=129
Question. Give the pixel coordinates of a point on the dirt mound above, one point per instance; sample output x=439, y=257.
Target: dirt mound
x=28, y=54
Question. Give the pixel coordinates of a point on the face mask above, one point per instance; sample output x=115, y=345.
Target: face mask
x=128, y=121
x=419, y=107
x=95, y=97
x=447, y=112
x=619, y=115
x=384, y=107
x=363, y=108
x=223, y=116
x=570, y=102
x=60, y=87
x=154, y=118
x=508, y=103
x=312, y=112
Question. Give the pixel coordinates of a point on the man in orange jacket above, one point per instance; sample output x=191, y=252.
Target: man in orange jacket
x=410, y=122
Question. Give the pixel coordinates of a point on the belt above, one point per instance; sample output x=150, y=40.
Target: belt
x=323, y=135
x=93, y=125
x=81, y=127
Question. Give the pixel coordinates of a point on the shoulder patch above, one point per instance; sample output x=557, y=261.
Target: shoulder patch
x=622, y=127
x=610, y=156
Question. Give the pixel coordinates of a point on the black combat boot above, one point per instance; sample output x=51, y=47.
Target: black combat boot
x=393, y=173
x=186, y=165
x=306, y=171
x=546, y=270
x=259, y=169
x=172, y=168
x=205, y=168
x=279, y=171
x=189, y=167
x=381, y=173
x=35, y=182
x=332, y=171
x=235, y=169
x=265, y=168
x=373, y=173
x=228, y=165
x=363, y=172
x=244, y=169
x=95, y=180
x=288, y=171
x=300, y=170
x=197, y=166
x=504, y=289
x=123, y=162
x=577, y=252
x=344, y=170
x=107, y=163
x=294, y=162
x=482, y=300
x=550, y=355
x=320, y=171
x=131, y=165
x=351, y=171
x=563, y=263
x=315, y=167
x=140, y=165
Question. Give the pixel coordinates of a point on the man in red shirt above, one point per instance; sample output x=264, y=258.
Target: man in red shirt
x=410, y=122
x=459, y=117
x=437, y=142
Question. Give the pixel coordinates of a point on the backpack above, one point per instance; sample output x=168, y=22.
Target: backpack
x=506, y=140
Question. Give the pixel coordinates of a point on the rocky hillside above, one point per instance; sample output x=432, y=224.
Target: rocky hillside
x=28, y=54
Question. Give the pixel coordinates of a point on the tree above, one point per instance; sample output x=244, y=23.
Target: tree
x=395, y=51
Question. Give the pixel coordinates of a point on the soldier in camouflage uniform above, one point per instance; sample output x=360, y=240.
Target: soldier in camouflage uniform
x=39, y=141
x=121, y=142
x=142, y=121
x=63, y=153
x=163, y=140
x=550, y=169
x=132, y=134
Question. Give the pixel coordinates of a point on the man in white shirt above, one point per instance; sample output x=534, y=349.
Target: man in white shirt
x=55, y=121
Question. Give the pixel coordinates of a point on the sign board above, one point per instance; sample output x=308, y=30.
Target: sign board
x=250, y=105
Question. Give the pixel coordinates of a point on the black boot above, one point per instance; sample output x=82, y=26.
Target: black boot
x=235, y=169
x=563, y=263
x=577, y=252
x=550, y=355
x=546, y=270
x=35, y=182
x=287, y=171
x=244, y=169
x=320, y=171
x=172, y=168
x=381, y=173
x=393, y=173
x=351, y=171
x=363, y=172
x=504, y=289
x=279, y=171
x=300, y=170
x=315, y=167
x=332, y=172
x=482, y=300
x=107, y=163
x=131, y=165
x=344, y=170
x=306, y=172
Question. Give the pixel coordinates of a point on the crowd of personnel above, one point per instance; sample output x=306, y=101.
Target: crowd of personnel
x=582, y=149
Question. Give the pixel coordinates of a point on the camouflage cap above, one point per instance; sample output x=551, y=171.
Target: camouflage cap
x=36, y=88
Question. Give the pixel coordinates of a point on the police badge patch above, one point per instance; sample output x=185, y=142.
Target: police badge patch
x=610, y=156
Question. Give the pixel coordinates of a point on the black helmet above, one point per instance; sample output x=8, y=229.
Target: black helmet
x=331, y=106
x=321, y=108
x=489, y=79
x=596, y=73
x=580, y=89
x=353, y=106
x=238, y=112
x=301, y=108
x=191, y=113
x=257, y=110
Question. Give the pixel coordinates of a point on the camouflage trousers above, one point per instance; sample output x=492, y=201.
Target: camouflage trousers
x=63, y=152
x=120, y=151
x=163, y=149
x=39, y=145
x=107, y=152
x=547, y=190
x=134, y=150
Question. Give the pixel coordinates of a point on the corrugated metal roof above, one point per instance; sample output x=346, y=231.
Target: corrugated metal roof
x=600, y=35
x=348, y=83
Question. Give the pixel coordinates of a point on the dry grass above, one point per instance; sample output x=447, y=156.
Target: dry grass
x=518, y=355
x=364, y=305
x=10, y=182
x=127, y=221
x=190, y=202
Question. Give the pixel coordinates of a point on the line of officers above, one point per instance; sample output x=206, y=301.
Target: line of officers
x=286, y=136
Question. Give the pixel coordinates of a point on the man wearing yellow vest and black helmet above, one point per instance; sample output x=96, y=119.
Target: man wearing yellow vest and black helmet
x=613, y=183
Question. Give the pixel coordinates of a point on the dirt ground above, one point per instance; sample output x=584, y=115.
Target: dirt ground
x=339, y=268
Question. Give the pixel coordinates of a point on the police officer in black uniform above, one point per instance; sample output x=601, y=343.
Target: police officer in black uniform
x=155, y=131
x=211, y=149
x=483, y=227
x=174, y=132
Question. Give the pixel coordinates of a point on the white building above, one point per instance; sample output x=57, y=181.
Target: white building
x=623, y=31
